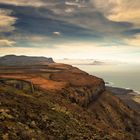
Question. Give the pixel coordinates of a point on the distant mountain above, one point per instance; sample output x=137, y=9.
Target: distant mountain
x=87, y=62
x=81, y=61
x=13, y=60
x=98, y=63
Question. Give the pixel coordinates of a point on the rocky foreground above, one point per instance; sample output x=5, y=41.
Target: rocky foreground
x=60, y=102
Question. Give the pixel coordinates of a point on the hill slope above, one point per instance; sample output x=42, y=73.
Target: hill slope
x=58, y=101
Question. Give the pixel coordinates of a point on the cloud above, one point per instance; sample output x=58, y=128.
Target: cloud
x=106, y=7
x=7, y=43
x=57, y=33
x=71, y=28
x=74, y=20
x=120, y=10
x=42, y=22
x=6, y=21
x=134, y=41
x=78, y=50
x=75, y=3
x=81, y=13
x=35, y=3
x=31, y=38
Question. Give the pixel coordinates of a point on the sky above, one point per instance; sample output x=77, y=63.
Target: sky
x=85, y=29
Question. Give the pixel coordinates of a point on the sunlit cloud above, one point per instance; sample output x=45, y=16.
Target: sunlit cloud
x=57, y=33
x=6, y=21
x=7, y=43
x=134, y=41
x=120, y=10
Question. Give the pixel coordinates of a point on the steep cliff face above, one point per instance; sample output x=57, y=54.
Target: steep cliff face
x=83, y=96
x=66, y=103
x=82, y=88
x=23, y=85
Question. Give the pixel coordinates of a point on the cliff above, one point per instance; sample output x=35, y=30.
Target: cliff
x=58, y=101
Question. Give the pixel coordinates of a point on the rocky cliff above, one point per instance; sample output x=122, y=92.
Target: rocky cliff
x=58, y=101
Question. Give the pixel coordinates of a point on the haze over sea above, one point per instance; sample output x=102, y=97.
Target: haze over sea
x=120, y=75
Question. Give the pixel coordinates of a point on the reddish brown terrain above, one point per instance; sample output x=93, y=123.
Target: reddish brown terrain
x=50, y=77
x=58, y=101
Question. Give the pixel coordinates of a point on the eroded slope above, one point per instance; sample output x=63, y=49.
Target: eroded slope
x=58, y=101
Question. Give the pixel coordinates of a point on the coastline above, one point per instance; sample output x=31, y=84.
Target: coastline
x=128, y=90
x=130, y=97
x=122, y=75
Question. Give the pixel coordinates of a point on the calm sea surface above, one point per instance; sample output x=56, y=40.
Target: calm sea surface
x=120, y=75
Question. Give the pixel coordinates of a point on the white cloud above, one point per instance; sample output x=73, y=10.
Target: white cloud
x=134, y=41
x=57, y=33
x=6, y=21
x=35, y=3
x=119, y=10
x=5, y=42
x=77, y=4
x=69, y=10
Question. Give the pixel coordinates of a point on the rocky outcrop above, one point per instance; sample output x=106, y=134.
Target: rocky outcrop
x=26, y=86
x=81, y=88
x=83, y=96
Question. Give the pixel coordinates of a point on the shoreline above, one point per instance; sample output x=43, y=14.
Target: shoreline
x=129, y=90
x=130, y=97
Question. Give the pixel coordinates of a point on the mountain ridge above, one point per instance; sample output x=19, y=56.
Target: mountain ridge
x=13, y=60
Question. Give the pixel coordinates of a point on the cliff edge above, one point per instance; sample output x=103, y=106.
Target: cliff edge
x=58, y=101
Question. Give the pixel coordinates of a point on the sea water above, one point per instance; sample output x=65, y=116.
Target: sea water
x=119, y=75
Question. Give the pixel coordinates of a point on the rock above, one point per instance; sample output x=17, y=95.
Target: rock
x=33, y=124
x=5, y=136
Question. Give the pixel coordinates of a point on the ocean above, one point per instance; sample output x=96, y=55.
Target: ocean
x=118, y=75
